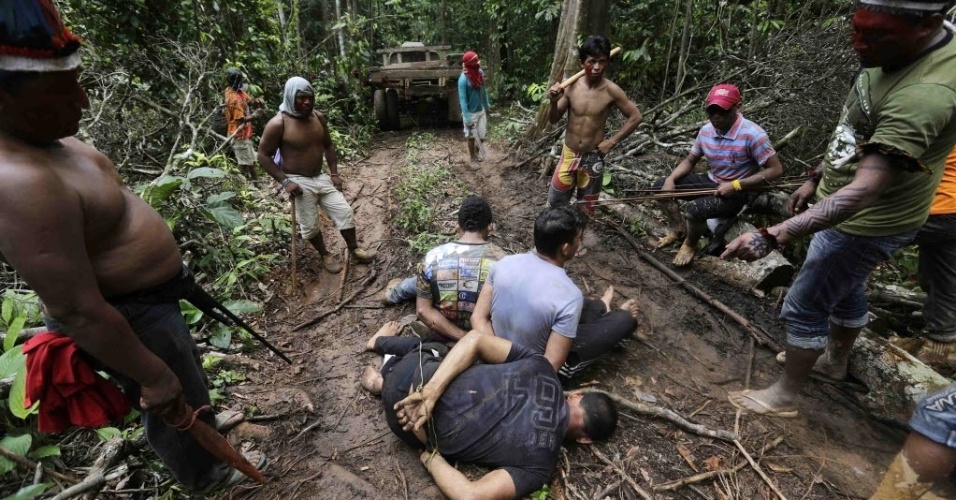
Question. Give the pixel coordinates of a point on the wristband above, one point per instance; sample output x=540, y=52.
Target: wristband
x=285, y=181
x=333, y=175
x=737, y=186
x=771, y=239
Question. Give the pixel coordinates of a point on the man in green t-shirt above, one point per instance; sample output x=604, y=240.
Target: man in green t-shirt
x=874, y=188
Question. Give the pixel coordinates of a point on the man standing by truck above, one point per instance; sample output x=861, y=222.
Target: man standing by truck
x=473, y=98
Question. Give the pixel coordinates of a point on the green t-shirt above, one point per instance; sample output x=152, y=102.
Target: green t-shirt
x=909, y=112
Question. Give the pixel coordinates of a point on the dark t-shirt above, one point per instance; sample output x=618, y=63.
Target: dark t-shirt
x=511, y=416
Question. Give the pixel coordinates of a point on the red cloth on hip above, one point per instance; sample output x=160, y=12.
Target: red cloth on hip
x=473, y=69
x=69, y=391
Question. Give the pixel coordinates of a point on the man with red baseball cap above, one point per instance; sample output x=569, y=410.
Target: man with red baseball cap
x=740, y=158
x=874, y=189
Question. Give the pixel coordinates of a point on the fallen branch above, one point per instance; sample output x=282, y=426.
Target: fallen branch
x=758, y=336
x=696, y=478
x=26, y=463
x=95, y=480
x=345, y=274
x=669, y=415
x=627, y=477
x=760, y=471
x=368, y=280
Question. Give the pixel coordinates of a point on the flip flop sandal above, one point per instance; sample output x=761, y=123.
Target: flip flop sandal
x=771, y=412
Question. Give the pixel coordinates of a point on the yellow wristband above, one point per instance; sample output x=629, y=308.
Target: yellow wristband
x=737, y=186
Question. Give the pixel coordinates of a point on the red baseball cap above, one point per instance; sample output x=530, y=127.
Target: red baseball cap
x=725, y=95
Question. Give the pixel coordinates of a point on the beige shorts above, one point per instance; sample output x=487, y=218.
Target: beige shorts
x=481, y=125
x=319, y=191
x=245, y=153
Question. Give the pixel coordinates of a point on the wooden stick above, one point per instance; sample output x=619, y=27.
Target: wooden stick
x=97, y=475
x=700, y=294
x=627, y=477
x=567, y=83
x=759, y=470
x=30, y=464
x=669, y=415
x=316, y=319
x=295, y=270
x=696, y=478
x=347, y=256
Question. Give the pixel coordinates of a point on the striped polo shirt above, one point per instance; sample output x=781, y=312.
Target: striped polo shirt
x=736, y=155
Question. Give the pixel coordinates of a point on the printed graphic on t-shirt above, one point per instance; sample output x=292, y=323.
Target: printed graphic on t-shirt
x=453, y=274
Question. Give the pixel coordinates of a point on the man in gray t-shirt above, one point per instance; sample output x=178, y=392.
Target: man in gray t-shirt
x=529, y=300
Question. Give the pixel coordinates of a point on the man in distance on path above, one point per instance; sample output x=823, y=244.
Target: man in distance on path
x=301, y=135
x=473, y=99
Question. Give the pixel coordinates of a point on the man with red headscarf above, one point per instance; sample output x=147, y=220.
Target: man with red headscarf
x=875, y=186
x=473, y=98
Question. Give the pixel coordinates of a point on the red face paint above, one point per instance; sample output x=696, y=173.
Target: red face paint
x=594, y=67
x=881, y=39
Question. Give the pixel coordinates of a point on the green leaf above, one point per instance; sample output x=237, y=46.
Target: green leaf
x=161, y=189
x=11, y=361
x=242, y=306
x=50, y=450
x=606, y=179
x=17, y=444
x=28, y=492
x=206, y=172
x=221, y=338
x=190, y=312
x=13, y=331
x=18, y=393
x=224, y=215
x=107, y=433
x=219, y=198
x=7, y=311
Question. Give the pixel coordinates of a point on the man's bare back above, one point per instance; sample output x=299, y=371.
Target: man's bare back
x=302, y=141
x=67, y=198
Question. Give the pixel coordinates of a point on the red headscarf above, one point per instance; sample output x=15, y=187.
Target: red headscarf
x=472, y=69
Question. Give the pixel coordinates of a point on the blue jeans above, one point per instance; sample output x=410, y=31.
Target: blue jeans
x=937, y=276
x=161, y=328
x=935, y=417
x=830, y=285
x=404, y=291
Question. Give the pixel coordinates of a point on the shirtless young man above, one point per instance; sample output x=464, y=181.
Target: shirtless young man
x=590, y=99
x=95, y=253
x=301, y=134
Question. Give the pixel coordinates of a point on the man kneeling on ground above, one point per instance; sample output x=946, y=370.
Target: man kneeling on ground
x=529, y=300
x=451, y=276
x=507, y=412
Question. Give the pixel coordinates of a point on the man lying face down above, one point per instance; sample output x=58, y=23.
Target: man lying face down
x=507, y=413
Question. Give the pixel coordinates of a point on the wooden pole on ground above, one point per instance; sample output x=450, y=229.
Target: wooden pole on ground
x=295, y=270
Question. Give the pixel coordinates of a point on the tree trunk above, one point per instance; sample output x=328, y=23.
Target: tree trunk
x=338, y=34
x=684, y=47
x=596, y=19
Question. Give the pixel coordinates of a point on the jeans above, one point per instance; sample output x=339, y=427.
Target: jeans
x=830, y=285
x=404, y=291
x=937, y=276
x=935, y=417
x=161, y=328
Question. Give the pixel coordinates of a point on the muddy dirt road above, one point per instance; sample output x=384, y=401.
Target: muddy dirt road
x=327, y=438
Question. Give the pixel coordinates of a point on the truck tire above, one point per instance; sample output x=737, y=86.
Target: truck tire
x=378, y=104
x=391, y=106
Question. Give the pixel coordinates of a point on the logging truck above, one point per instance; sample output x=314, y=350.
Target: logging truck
x=416, y=84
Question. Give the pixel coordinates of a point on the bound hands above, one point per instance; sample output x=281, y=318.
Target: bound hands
x=163, y=397
x=801, y=197
x=414, y=411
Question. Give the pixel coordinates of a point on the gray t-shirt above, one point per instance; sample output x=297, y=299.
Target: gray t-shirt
x=531, y=298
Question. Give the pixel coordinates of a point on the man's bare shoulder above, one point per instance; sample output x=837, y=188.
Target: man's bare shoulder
x=275, y=121
x=22, y=165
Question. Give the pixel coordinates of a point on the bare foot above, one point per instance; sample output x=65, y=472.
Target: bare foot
x=632, y=308
x=770, y=402
x=825, y=368
x=389, y=329
x=668, y=239
x=685, y=255
x=372, y=380
x=606, y=298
